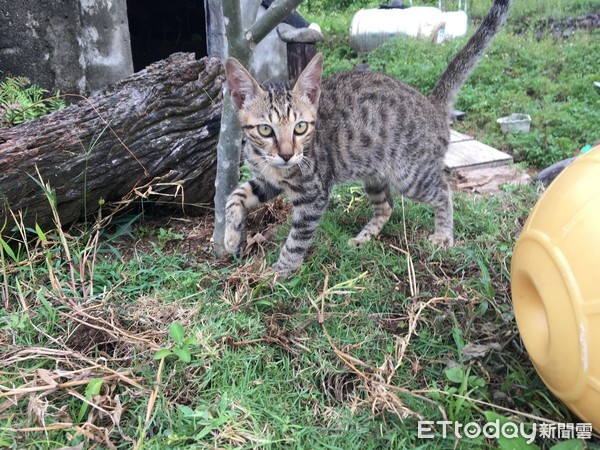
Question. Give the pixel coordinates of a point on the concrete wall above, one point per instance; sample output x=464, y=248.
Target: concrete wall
x=77, y=46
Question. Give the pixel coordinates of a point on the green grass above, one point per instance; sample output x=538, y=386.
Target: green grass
x=347, y=354
x=343, y=355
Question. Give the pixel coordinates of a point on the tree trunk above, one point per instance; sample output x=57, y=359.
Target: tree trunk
x=153, y=132
x=240, y=45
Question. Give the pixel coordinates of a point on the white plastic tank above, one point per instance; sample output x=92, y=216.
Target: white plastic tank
x=457, y=23
x=372, y=27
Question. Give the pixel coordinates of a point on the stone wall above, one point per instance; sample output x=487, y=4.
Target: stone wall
x=77, y=46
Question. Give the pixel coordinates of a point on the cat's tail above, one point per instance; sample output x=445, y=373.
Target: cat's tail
x=459, y=69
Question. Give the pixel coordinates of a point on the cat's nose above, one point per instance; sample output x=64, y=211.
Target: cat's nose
x=286, y=151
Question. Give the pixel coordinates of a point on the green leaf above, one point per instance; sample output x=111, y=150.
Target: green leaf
x=207, y=429
x=186, y=410
x=190, y=340
x=220, y=421
x=183, y=353
x=8, y=250
x=509, y=443
x=189, y=412
x=516, y=443
x=162, y=353
x=41, y=234
x=476, y=381
x=176, y=332
x=455, y=374
x=458, y=339
x=40, y=296
x=492, y=415
x=93, y=388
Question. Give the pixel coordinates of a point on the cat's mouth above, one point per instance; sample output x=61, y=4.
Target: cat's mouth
x=285, y=163
x=274, y=160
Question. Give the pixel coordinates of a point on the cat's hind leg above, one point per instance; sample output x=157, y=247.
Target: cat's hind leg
x=443, y=234
x=382, y=203
x=432, y=188
x=247, y=196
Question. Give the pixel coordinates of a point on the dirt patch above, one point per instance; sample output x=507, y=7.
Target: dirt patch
x=566, y=27
x=92, y=340
x=193, y=236
x=487, y=180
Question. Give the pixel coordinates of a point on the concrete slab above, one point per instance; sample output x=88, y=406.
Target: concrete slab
x=465, y=152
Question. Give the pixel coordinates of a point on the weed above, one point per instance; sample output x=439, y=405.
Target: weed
x=21, y=101
x=181, y=344
x=167, y=235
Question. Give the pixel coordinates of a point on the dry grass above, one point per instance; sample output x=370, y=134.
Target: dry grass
x=98, y=343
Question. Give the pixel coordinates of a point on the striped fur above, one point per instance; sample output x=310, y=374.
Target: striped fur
x=304, y=139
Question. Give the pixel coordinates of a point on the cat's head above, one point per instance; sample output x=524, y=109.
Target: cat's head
x=278, y=121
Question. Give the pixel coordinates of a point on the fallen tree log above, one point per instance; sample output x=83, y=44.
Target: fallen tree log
x=153, y=134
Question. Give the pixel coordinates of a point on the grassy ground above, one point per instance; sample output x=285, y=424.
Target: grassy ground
x=128, y=334
x=350, y=353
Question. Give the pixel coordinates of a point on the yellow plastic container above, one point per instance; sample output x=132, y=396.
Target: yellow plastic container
x=555, y=281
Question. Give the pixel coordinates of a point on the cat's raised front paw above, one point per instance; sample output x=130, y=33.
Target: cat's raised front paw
x=232, y=240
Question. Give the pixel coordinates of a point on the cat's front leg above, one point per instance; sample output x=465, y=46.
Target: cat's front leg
x=307, y=210
x=245, y=197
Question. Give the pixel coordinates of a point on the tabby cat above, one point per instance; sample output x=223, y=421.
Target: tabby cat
x=357, y=125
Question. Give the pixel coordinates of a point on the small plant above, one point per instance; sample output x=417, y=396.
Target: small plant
x=21, y=101
x=166, y=235
x=181, y=347
x=93, y=388
x=464, y=385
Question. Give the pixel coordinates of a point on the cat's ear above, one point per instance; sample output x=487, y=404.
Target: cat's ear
x=241, y=84
x=309, y=82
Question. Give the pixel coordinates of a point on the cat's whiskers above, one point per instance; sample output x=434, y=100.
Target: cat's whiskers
x=254, y=158
x=303, y=163
x=264, y=168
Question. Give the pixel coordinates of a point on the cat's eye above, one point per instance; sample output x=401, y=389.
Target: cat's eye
x=265, y=130
x=300, y=128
